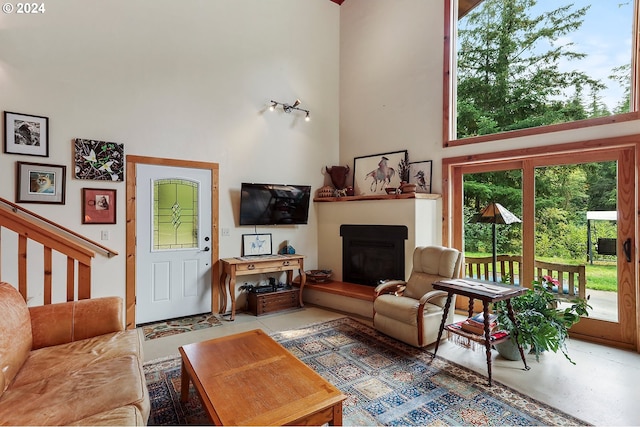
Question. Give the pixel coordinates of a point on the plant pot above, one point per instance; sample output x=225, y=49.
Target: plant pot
x=509, y=349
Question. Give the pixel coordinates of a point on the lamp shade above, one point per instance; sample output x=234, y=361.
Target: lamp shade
x=495, y=213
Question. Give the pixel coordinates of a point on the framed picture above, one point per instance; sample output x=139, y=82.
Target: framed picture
x=420, y=173
x=40, y=183
x=98, y=206
x=26, y=134
x=372, y=174
x=99, y=160
x=256, y=244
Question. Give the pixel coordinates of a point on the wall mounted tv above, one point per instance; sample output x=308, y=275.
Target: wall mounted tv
x=272, y=204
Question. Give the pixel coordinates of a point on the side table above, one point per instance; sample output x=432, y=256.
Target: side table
x=232, y=267
x=487, y=292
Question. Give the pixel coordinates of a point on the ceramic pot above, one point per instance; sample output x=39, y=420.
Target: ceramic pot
x=509, y=349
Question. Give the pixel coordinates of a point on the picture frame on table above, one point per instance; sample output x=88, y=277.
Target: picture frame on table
x=98, y=206
x=26, y=134
x=40, y=183
x=257, y=244
x=374, y=173
x=421, y=174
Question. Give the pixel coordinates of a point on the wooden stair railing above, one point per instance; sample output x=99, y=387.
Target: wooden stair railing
x=53, y=237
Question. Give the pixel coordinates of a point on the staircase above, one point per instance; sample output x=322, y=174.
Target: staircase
x=53, y=239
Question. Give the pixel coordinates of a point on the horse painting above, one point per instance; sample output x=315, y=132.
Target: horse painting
x=382, y=175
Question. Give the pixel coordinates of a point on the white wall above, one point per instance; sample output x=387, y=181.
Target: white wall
x=391, y=84
x=186, y=79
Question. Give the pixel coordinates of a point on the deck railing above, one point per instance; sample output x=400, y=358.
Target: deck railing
x=572, y=278
x=78, y=250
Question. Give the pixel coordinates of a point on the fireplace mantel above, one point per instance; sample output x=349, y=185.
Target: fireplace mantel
x=422, y=214
x=401, y=196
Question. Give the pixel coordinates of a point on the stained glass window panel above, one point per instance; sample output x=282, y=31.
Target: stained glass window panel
x=175, y=214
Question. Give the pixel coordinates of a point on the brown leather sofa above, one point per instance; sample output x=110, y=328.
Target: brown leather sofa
x=70, y=363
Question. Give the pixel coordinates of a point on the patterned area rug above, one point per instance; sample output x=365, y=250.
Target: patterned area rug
x=386, y=381
x=178, y=326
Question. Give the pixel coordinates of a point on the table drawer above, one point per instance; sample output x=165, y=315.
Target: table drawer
x=275, y=265
x=273, y=301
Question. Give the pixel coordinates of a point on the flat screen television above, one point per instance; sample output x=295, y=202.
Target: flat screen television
x=273, y=204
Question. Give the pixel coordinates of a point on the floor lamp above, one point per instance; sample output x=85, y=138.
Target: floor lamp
x=495, y=214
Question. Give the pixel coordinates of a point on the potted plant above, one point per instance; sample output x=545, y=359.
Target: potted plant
x=540, y=324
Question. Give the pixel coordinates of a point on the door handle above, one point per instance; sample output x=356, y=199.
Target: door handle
x=626, y=247
x=206, y=249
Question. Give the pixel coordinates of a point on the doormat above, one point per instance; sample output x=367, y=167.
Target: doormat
x=177, y=326
x=386, y=382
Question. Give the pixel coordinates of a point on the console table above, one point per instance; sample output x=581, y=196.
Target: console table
x=487, y=292
x=242, y=266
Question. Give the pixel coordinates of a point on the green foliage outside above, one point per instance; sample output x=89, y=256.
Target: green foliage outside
x=509, y=76
x=564, y=194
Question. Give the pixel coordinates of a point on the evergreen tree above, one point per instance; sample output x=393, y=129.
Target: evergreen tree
x=508, y=69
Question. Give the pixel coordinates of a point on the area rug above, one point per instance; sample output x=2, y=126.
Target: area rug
x=386, y=383
x=178, y=326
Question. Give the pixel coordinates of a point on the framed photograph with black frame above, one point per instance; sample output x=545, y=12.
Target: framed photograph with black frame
x=98, y=206
x=420, y=174
x=256, y=244
x=26, y=134
x=40, y=183
x=372, y=174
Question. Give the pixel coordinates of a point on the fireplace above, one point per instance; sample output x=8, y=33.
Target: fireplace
x=371, y=253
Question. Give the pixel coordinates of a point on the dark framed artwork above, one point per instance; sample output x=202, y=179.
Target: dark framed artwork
x=372, y=174
x=98, y=160
x=40, y=183
x=26, y=134
x=256, y=244
x=98, y=206
x=420, y=173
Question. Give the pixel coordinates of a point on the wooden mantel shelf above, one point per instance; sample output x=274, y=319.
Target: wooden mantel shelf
x=379, y=197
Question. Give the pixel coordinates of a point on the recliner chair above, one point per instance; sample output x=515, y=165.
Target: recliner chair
x=411, y=311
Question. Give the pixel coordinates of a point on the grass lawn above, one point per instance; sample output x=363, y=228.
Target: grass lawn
x=601, y=276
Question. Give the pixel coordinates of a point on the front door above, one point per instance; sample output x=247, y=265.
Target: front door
x=173, y=242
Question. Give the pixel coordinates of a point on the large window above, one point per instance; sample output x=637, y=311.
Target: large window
x=526, y=66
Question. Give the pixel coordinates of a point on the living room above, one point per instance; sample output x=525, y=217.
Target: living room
x=193, y=81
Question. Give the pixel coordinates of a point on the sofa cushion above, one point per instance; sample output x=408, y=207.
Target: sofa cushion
x=65, y=358
x=15, y=333
x=123, y=416
x=71, y=396
x=60, y=323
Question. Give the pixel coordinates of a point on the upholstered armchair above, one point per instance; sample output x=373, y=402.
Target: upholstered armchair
x=411, y=311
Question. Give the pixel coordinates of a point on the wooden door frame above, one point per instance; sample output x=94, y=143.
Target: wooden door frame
x=132, y=163
x=585, y=151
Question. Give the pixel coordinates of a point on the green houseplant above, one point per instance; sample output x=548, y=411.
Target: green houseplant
x=540, y=324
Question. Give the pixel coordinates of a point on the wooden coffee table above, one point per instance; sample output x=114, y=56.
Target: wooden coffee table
x=250, y=379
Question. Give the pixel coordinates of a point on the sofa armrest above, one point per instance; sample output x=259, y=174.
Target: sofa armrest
x=54, y=324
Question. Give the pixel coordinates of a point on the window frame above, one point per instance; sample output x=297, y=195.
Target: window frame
x=450, y=93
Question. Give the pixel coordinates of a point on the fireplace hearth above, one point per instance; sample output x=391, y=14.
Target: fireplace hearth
x=371, y=253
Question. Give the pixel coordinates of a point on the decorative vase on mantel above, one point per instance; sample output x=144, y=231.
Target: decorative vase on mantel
x=407, y=188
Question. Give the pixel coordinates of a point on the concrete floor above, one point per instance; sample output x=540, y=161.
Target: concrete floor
x=601, y=389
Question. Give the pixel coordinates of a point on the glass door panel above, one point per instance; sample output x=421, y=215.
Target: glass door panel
x=573, y=249
x=492, y=228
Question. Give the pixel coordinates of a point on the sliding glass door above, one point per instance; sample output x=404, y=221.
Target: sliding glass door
x=574, y=223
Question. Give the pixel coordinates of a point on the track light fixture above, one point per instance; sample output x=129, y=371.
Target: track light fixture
x=287, y=108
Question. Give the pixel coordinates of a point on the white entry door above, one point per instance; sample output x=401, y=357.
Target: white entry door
x=173, y=242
